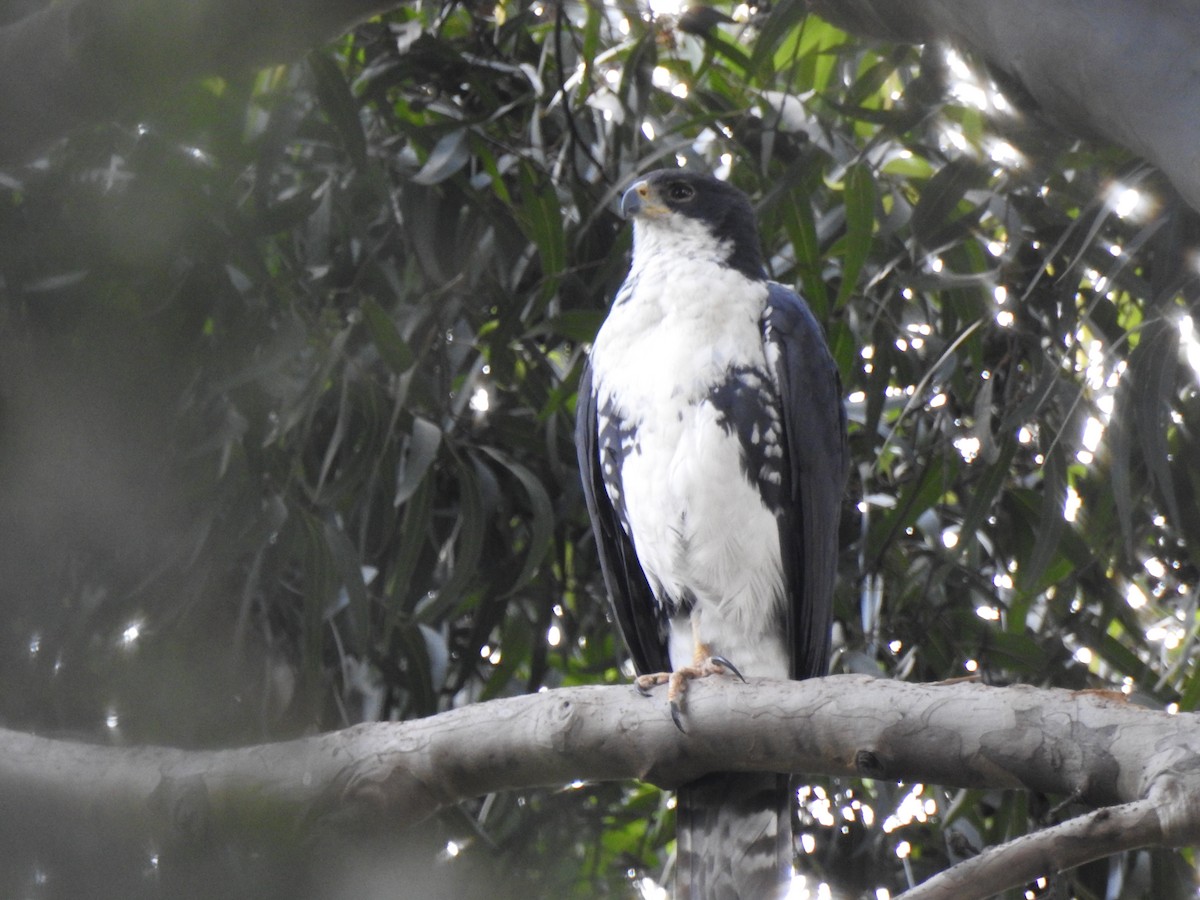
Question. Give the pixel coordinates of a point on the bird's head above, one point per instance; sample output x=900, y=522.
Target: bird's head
x=696, y=216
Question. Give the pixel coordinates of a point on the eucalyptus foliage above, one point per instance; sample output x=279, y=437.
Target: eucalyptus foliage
x=287, y=376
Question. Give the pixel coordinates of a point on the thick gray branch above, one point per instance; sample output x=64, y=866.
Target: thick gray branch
x=1123, y=71
x=82, y=61
x=1087, y=745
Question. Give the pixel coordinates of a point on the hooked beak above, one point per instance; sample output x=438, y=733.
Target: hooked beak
x=642, y=200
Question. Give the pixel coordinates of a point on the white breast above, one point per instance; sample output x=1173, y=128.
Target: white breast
x=698, y=524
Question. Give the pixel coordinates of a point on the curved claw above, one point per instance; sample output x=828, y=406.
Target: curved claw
x=724, y=663
x=677, y=715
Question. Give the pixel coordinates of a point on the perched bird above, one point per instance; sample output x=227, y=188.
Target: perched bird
x=712, y=445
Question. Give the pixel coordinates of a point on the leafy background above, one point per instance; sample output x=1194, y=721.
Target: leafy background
x=287, y=376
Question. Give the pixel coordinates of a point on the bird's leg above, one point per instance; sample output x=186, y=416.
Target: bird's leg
x=704, y=663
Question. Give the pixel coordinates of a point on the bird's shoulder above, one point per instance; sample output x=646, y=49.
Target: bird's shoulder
x=786, y=313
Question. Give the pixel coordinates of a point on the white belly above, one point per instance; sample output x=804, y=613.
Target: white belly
x=701, y=532
x=698, y=524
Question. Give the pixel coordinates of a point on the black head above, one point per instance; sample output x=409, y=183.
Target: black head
x=662, y=198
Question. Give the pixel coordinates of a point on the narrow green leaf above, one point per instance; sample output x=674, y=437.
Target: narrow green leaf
x=728, y=49
x=591, y=39
x=1016, y=650
x=1153, y=368
x=516, y=640
x=540, y=216
x=1190, y=696
x=417, y=453
x=859, y=198
x=393, y=349
x=985, y=491
x=339, y=104
x=782, y=18
x=579, y=325
x=844, y=348
x=866, y=88
x=940, y=198
x=348, y=563
x=448, y=156
x=1050, y=520
x=320, y=585
x=1120, y=447
x=541, y=525
x=919, y=495
x=418, y=674
x=1112, y=651
x=415, y=526
x=468, y=545
x=801, y=228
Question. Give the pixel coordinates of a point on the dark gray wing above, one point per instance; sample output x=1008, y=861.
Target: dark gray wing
x=816, y=464
x=639, y=616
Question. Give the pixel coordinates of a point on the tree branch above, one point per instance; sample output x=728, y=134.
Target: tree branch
x=376, y=775
x=83, y=61
x=1118, y=70
x=1056, y=849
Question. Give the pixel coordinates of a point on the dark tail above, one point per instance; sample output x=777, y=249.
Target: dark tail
x=734, y=837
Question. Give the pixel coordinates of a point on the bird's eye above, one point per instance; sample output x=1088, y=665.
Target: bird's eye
x=680, y=192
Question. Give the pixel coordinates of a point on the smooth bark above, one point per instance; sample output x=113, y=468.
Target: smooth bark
x=1055, y=849
x=1089, y=746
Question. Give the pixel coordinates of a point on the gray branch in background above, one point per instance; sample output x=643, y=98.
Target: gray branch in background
x=1125, y=72
x=1055, y=849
